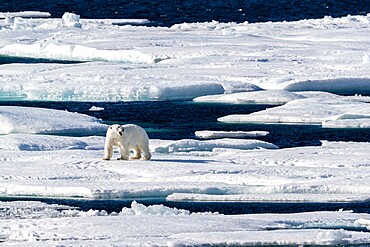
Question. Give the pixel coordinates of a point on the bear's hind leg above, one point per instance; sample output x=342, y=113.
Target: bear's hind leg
x=146, y=153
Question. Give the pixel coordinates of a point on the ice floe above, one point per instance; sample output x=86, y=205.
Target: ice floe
x=279, y=197
x=61, y=171
x=29, y=142
x=75, y=53
x=71, y=20
x=184, y=61
x=25, y=14
x=15, y=119
x=190, y=145
x=172, y=227
x=328, y=112
x=208, y=134
x=274, y=97
x=348, y=120
x=30, y=210
x=140, y=209
x=96, y=108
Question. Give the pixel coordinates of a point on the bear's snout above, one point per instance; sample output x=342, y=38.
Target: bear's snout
x=120, y=133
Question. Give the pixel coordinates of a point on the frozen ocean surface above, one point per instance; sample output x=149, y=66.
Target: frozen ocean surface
x=316, y=70
x=184, y=61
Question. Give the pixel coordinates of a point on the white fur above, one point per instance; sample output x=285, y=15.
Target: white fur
x=127, y=137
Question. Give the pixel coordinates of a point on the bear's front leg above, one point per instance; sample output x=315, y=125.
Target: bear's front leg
x=108, y=151
x=124, y=152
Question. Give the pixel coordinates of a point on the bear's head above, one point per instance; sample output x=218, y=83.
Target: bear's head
x=117, y=129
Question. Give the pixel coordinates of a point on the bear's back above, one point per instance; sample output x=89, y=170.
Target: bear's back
x=135, y=130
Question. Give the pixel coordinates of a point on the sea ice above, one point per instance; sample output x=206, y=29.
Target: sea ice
x=184, y=61
x=189, y=145
x=273, y=97
x=71, y=20
x=15, y=119
x=339, y=112
x=96, y=108
x=61, y=171
x=29, y=142
x=347, y=120
x=25, y=14
x=272, y=197
x=140, y=209
x=208, y=134
x=165, y=226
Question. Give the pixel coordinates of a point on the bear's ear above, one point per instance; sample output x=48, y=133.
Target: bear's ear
x=121, y=130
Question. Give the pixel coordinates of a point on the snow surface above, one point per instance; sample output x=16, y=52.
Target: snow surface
x=65, y=166
x=236, y=63
x=333, y=172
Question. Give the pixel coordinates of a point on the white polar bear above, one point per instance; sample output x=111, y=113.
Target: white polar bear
x=127, y=137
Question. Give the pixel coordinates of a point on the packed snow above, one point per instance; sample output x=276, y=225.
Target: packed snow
x=301, y=66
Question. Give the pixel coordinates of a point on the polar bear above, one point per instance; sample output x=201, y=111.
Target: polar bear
x=127, y=137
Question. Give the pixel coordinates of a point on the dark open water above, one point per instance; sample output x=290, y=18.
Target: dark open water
x=174, y=120
x=230, y=208
x=178, y=119
x=169, y=12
